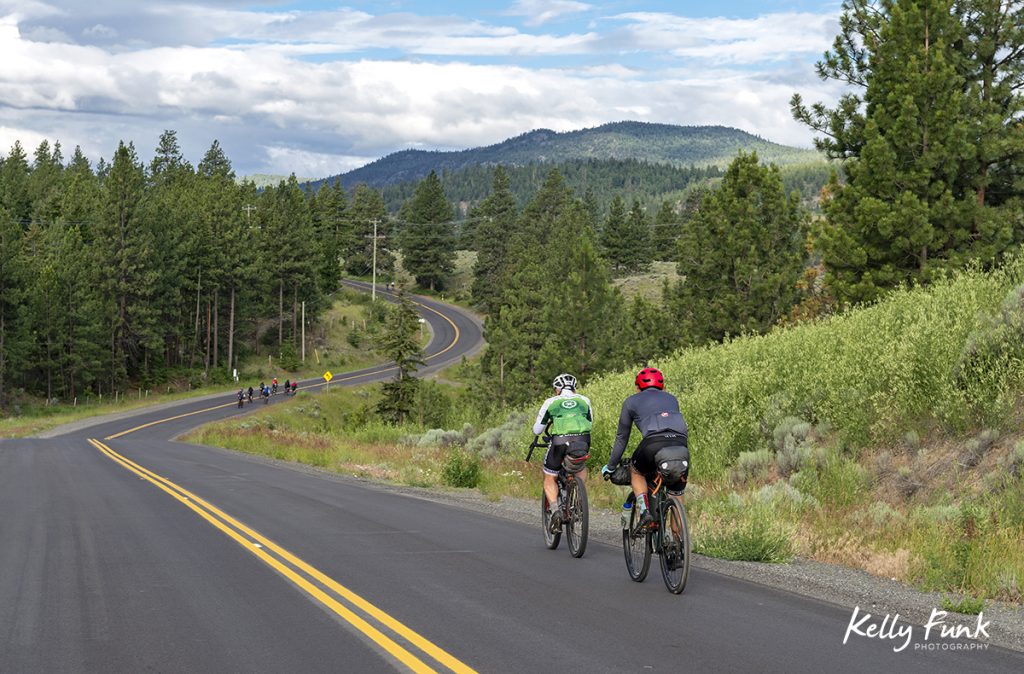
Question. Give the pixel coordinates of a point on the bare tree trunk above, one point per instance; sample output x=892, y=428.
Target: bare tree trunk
x=231, y=331
x=280, y=313
x=206, y=362
x=216, y=328
x=195, y=337
x=3, y=358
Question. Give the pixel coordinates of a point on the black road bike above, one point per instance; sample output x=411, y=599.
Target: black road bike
x=668, y=537
x=572, y=503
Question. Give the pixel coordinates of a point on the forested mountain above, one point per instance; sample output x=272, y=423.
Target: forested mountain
x=699, y=146
x=602, y=179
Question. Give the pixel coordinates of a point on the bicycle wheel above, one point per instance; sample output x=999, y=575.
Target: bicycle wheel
x=675, y=545
x=636, y=545
x=551, y=540
x=577, y=527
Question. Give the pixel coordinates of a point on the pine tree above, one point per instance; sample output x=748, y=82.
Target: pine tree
x=932, y=132
x=366, y=209
x=666, y=232
x=333, y=232
x=498, y=214
x=518, y=331
x=13, y=334
x=583, y=312
x=740, y=256
x=124, y=253
x=651, y=334
x=636, y=247
x=15, y=197
x=170, y=209
x=613, y=236
x=81, y=196
x=44, y=182
x=399, y=343
x=428, y=236
x=227, y=230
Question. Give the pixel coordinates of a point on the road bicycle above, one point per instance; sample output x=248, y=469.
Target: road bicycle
x=668, y=537
x=572, y=504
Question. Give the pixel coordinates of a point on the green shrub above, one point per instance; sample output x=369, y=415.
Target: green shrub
x=289, y=360
x=1014, y=463
x=461, y=469
x=967, y=605
x=506, y=438
x=745, y=532
x=839, y=481
x=975, y=448
x=354, y=338
x=784, y=494
x=433, y=405
x=752, y=466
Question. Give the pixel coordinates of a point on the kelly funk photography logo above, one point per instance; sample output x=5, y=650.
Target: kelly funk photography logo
x=939, y=633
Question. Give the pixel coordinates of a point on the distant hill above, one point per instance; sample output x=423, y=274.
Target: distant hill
x=699, y=146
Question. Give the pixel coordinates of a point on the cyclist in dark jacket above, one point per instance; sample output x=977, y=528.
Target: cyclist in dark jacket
x=656, y=414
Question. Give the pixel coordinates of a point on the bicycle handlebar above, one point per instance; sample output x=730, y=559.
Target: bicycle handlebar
x=535, y=444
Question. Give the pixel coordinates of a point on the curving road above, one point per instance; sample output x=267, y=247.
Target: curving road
x=124, y=551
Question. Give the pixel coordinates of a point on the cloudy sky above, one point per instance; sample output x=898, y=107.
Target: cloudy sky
x=319, y=87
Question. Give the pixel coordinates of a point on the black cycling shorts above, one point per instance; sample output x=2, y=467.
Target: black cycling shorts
x=643, y=458
x=576, y=446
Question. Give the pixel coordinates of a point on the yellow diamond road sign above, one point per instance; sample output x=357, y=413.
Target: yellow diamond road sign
x=328, y=376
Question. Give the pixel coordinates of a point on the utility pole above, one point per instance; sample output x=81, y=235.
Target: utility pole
x=248, y=208
x=373, y=285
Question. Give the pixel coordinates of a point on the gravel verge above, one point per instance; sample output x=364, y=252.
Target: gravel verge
x=837, y=585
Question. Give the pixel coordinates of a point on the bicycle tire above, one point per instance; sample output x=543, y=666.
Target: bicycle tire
x=637, y=548
x=675, y=545
x=550, y=540
x=578, y=526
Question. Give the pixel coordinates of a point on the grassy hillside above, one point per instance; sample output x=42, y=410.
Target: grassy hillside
x=886, y=438
x=699, y=146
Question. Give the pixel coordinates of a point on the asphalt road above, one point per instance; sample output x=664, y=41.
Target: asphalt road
x=128, y=552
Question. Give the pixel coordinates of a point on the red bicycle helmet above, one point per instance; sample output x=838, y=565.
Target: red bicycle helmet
x=648, y=377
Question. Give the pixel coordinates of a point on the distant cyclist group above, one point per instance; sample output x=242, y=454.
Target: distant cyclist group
x=264, y=391
x=654, y=518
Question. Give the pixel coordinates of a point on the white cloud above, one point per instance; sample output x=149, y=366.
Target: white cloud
x=541, y=11
x=101, y=31
x=28, y=138
x=306, y=164
x=747, y=41
x=274, y=111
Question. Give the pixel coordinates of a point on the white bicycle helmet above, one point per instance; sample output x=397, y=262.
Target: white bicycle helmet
x=564, y=381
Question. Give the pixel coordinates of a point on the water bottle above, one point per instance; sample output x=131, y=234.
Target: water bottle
x=627, y=510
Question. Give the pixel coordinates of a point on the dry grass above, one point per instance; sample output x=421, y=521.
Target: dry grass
x=648, y=285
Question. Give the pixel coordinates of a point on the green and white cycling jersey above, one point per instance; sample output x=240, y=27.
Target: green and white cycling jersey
x=569, y=414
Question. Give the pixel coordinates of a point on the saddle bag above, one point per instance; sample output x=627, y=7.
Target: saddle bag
x=673, y=463
x=576, y=454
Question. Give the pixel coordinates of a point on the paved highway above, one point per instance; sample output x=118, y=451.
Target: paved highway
x=124, y=551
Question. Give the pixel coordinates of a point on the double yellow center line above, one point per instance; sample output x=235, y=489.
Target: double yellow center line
x=337, y=598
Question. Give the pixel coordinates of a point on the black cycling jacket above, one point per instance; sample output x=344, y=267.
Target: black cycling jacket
x=653, y=411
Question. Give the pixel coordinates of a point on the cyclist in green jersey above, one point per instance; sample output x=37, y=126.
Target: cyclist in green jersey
x=571, y=418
